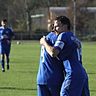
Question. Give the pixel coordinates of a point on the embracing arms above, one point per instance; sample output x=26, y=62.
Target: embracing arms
x=53, y=52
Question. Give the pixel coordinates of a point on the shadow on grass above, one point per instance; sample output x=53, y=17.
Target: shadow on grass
x=92, y=90
x=93, y=73
x=15, y=88
x=25, y=71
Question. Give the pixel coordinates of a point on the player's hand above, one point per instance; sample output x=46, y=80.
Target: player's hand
x=8, y=42
x=42, y=40
x=5, y=36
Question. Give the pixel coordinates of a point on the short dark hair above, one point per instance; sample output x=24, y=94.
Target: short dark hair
x=64, y=20
x=4, y=20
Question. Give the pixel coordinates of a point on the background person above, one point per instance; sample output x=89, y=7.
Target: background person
x=6, y=35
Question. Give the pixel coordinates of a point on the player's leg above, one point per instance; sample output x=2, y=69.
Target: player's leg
x=42, y=90
x=3, y=62
x=55, y=90
x=65, y=88
x=72, y=87
x=85, y=91
x=7, y=60
x=7, y=55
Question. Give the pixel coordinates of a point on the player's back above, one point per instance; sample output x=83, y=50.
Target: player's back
x=50, y=69
x=71, y=55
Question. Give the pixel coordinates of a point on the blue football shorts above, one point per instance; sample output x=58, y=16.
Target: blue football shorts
x=44, y=90
x=5, y=49
x=78, y=87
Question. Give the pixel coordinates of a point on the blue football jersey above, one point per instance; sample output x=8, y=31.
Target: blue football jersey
x=70, y=53
x=8, y=32
x=5, y=43
x=50, y=69
x=1, y=31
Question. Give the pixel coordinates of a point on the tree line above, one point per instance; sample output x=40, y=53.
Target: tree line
x=18, y=13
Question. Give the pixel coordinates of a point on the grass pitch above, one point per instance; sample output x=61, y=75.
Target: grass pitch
x=20, y=80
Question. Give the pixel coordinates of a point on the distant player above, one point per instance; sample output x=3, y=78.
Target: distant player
x=68, y=49
x=6, y=35
x=51, y=72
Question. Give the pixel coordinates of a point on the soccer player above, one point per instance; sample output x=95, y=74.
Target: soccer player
x=6, y=35
x=51, y=72
x=68, y=49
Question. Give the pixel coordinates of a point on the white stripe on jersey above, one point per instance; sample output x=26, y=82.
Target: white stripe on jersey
x=59, y=44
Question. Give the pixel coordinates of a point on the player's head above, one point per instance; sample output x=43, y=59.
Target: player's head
x=4, y=22
x=61, y=24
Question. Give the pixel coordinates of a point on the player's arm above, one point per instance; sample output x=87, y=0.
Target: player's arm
x=52, y=50
x=4, y=37
x=12, y=35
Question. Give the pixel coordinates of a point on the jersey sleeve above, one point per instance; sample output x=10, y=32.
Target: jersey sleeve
x=51, y=38
x=60, y=42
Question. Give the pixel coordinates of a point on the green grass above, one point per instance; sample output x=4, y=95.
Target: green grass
x=89, y=62
x=20, y=80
